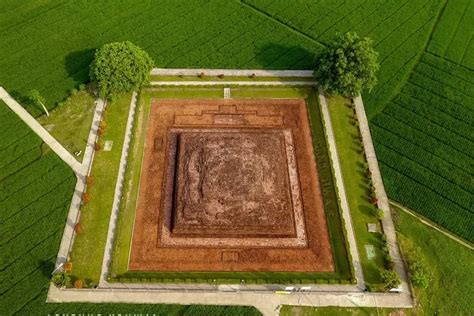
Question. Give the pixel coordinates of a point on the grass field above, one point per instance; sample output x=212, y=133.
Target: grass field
x=451, y=264
x=48, y=46
x=120, y=259
x=357, y=188
x=70, y=122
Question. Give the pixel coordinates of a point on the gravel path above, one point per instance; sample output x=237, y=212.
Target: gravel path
x=231, y=72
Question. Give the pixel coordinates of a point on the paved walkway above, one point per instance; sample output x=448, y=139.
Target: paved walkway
x=434, y=226
x=233, y=83
x=118, y=193
x=267, y=303
x=55, y=146
x=387, y=222
x=74, y=210
x=231, y=72
x=341, y=191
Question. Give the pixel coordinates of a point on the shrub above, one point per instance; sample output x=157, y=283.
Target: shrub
x=120, y=67
x=97, y=146
x=86, y=197
x=100, y=132
x=419, y=276
x=379, y=213
x=390, y=279
x=201, y=75
x=67, y=266
x=374, y=200
x=89, y=181
x=78, y=228
x=347, y=66
x=78, y=284
x=73, y=91
x=37, y=99
x=220, y=76
x=61, y=279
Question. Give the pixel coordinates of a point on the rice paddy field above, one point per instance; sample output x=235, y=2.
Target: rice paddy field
x=421, y=111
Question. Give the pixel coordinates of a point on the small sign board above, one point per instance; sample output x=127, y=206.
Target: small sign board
x=370, y=251
x=108, y=145
x=372, y=227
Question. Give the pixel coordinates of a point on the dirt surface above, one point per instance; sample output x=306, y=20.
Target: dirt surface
x=229, y=185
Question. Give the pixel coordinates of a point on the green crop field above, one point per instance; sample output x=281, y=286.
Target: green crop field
x=421, y=112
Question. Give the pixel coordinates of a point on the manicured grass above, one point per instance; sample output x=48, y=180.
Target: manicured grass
x=451, y=288
x=88, y=248
x=126, y=217
x=287, y=310
x=357, y=186
x=70, y=122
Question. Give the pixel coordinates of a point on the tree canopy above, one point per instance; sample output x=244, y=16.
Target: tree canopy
x=347, y=65
x=120, y=67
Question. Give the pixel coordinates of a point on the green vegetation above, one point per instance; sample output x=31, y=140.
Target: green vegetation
x=120, y=67
x=70, y=122
x=89, y=244
x=126, y=217
x=347, y=66
x=358, y=189
x=341, y=311
x=450, y=290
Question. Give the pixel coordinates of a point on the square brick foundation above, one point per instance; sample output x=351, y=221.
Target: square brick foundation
x=229, y=185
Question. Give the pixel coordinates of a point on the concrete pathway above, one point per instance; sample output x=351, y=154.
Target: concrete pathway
x=118, y=193
x=341, y=191
x=387, y=223
x=74, y=209
x=231, y=72
x=55, y=146
x=233, y=83
x=267, y=303
x=434, y=226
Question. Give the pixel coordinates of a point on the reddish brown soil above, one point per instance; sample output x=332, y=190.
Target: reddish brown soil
x=229, y=185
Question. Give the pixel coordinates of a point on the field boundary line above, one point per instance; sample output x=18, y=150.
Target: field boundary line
x=432, y=225
x=42, y=133
x=109, y=244
x=341, y=191
x=382, y=199
x=230, y=72
x=292, y=29
x=74, y=212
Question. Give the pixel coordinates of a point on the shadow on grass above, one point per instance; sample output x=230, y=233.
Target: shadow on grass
x=77, y=65
x=277, y=56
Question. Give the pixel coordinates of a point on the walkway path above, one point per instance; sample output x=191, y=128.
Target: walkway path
x=341, y=191
x=55, y=146
x=434, y=226
x=231, y=72
x=387, y=222
x=118, y=193
x=232, y=83
x=267, y=303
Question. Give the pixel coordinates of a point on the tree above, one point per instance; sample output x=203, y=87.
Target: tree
x=36, y=98
x=120, y=67
x=390, y=279
x=347, y=66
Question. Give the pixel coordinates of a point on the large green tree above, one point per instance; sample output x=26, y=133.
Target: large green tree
x=120, y=67
x=347, y=65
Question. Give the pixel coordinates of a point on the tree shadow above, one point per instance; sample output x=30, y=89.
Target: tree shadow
x=77, y=65
x=277, y=56
x=46, y=267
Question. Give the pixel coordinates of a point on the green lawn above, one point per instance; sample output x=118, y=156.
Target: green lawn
x=70, y=122
x=88, y=249
x=126, y=217
x=356, y=185
x=451, y=289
